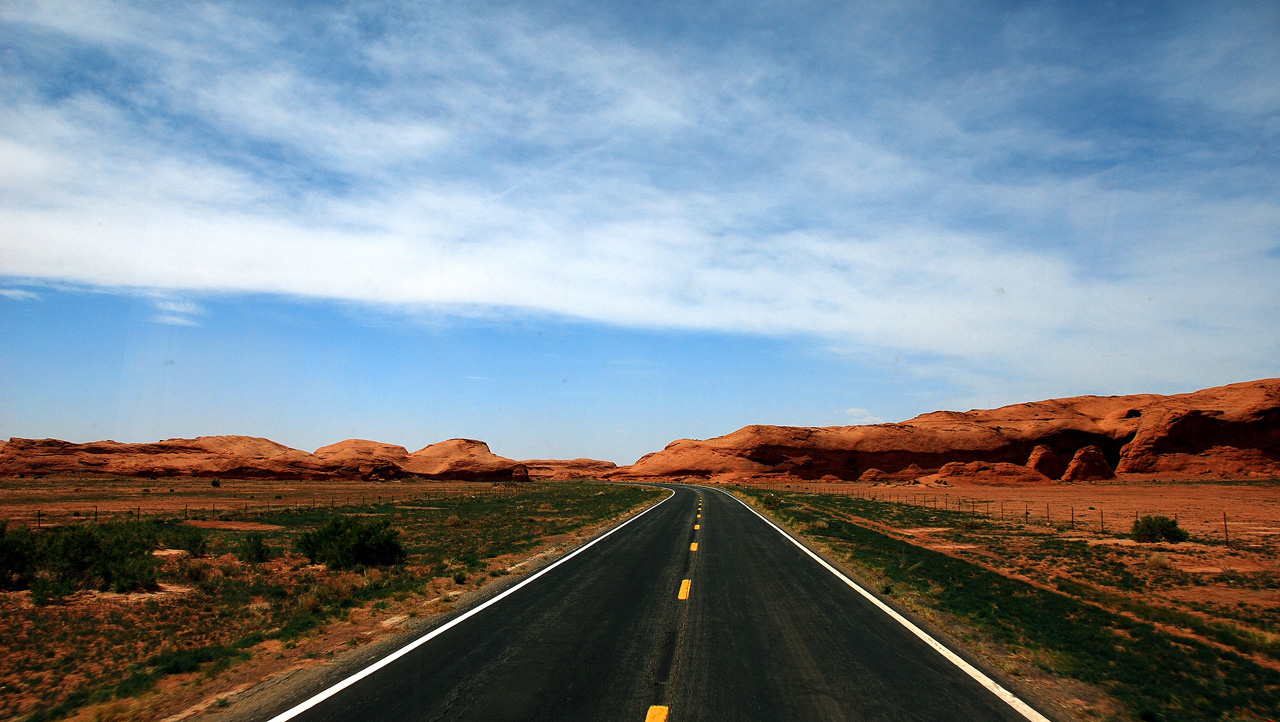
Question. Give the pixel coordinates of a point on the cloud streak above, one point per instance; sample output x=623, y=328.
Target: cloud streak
x=1042, y=216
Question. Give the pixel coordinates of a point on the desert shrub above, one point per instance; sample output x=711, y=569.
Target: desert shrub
x=1157, y=528
x=460, y=577
x=17, y=556
x=111, y=556
x=253, y=548
x=772, y=501
x=346, y=542
x=184, y=537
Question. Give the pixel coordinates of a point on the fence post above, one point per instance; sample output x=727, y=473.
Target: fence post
x=1225, y=536
x=38, y=518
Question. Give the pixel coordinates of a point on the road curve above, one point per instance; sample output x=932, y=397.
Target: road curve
x=697, y=609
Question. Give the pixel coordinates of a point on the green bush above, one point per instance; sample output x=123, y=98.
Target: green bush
x=18, y=552
x=185, y=537
x=253, y=548
x=56, y=562
x=1157, y=528
x=346, y=542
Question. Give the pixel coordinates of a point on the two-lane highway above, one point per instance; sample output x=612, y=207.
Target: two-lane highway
x=697, y=609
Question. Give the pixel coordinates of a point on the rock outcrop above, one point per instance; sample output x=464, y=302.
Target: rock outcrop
x=245, y=457
x=372, y=460
x=1225, y=431
x=464, y=460
x=568, y=469
x=996, y=473
x=1088, y=465
x=223, y=456
x=1045, y=461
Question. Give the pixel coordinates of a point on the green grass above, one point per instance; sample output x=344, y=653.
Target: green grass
x=1156, y=675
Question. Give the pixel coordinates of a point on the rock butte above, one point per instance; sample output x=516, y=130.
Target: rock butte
x=248, y=457
x=1225, y=432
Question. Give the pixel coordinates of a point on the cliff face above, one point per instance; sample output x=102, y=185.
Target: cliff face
x=567, y=469
x=1226, y=431
x=254, y=458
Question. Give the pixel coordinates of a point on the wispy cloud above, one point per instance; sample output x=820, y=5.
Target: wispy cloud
x=18, y=294
x=858, y=417
x=1027, y=209
x=176, y=312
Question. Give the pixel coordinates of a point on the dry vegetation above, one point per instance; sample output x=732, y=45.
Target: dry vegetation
x=239, y=596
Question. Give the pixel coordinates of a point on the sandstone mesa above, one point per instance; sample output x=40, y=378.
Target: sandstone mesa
x=1224, y=432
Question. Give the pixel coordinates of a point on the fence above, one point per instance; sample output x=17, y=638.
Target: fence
x=1065, y=517
x=229, y=507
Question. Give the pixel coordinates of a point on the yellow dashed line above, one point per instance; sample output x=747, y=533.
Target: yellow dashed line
x=657, y=713
x=684, y=589
x=697, y=526
x=699, y=516
x=693, y=547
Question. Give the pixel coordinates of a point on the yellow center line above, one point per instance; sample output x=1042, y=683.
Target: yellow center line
x=693, y=547
x=684, y=589
x=697, y=526
x=699, y=516
x=657, y=713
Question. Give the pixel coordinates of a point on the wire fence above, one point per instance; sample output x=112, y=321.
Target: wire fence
x=1061, y=517
x=230, y=508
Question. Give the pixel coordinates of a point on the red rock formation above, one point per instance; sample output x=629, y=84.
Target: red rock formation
x=224, y=456
x=877, y=476
x=1045, y=461
x=253, y=458
x=369, y=460
x=1230, y=430
x=996, y=473
x=1088, y=465
x=567, y=469
x=463, y=460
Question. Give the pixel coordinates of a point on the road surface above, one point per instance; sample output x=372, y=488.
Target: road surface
x=697, y=609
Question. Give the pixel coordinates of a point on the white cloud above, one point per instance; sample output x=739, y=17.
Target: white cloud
x=501, y=163
x=861, y=417
x=173, y=320
x=18, y=294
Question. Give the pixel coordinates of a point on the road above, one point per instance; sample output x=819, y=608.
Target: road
x=744, y=626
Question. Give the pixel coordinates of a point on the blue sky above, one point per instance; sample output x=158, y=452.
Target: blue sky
x=591, y=228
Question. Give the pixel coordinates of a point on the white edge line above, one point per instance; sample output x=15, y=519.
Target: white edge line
x=333, y=690
x=1008, y=697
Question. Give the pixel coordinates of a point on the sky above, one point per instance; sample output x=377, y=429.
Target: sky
x=590, y=228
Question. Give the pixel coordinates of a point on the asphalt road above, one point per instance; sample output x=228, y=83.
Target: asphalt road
x=765, y=633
